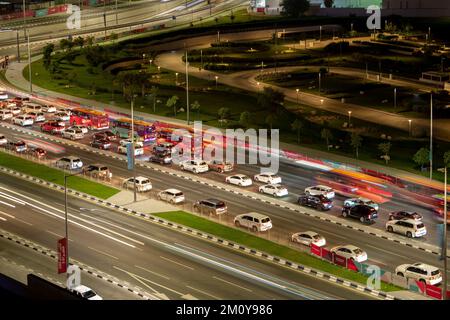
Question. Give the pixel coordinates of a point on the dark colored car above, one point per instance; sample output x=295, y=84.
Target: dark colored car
x=18, y=146
x=38, y=152
x=398, y=215
x=101, y=144
x=210, y=206
x=105, y=135
x=317, y=202
x=161, y=158
x=362, y=212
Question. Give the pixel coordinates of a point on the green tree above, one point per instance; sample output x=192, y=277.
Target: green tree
x=47, y=55
x=195, y=106
x=154, y=92
x=328, y=3
x=90, y=41
x=64, y=44
x=271, y=101
x=79, y=42
x=224, y=114
x=297, y=126
x=244, y=119
x=385, y=148
x=421, y=157
x=172, y=102
x=114, y=36
x=447, y=158
x=295, y=8
x=356, y=142
x=327, y=136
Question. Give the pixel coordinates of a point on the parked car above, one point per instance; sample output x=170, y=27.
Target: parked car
x=317, y=202
x=73, y=134
x=220, y=166
x=163, y=147
x=309, y=237
x=399, y=215
x=53, y=127
x=275, y=190
x=37, y=116
x=48, y=108
x=361, y=211
x=23, y=120
x=143, y=184
x=161, y=158
x=171, y=195
x=422, y=272
x=83, y=129
x=408, y=227
x=210, y=206
x=18, y=146
x=350, y=252
x=3, y=140
x=86, y=293
x=6, y=114
x=105, y=135
x=355, y=201
x=138, y=150
x=38, y=152
x=195, y=166
x=320, y=190
x=101, y=144
x=268, y=177
x=69, y=163
x=253, y=221
x=99, y=171
x=239, y=180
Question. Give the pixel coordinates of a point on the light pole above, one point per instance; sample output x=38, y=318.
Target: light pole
x=409, y=127
x=444, y=236
x=216, y=77
x=351, y=27
x=29, y=64
x=431, y=136
x=159, y=69
x=320, y=37
x=187, y=88
x=349, y=117
x=429, y=34
x=132, y=148
x=297, y=90
x=395, y=98
x=117, y=20
x=320, y=82
x=201, y=60
x=176, y=78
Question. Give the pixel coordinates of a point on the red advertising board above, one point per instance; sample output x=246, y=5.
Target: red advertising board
x=340, y=261
x=62, y=255
x=433, y=291
x=351, y=265
x=315, y=250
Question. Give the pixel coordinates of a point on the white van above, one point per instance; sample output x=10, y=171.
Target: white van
x=254, y=221
x=5, y=114
x=31, y=107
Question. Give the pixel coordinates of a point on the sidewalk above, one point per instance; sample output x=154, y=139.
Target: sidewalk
x=15, y=77
x=143, y=204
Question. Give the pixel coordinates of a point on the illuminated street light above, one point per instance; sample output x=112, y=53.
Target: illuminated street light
x=321, y=101
x=297, y=90
x=176, y=78
x=159, y=69
x=409, y=126
x=217, y=78
x=349, y=117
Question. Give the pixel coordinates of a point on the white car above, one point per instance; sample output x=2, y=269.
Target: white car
x=73, y=134
x=3, y=95
x=421, y=272
x=253, y=221
x=138, y=150
x=62, y=116
x=356, y=201
x=195, y=166
x=49, y=108
x=137, y=144
x=69, y=163
x=86, y=293
x=5, y=114
x=31, y=107
x=3, y=140
x=268, y=177
x=350, y=252
x=65, y=110
x=83, y=129
x=408, y=227
x=320, y=190
x=171, y=195
x=143, y=184
x=309, y=237
x=23, y=120
x=239, y=180
x=275, y=190
x=15, y=110
x=37, y=116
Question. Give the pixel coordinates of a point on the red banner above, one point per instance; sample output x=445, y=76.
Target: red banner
x=62, y=255
x=351, y=265
x=433, y=291
x=340, y=261
x=315, y=250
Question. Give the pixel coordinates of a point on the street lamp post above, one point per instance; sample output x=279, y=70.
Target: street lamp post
x=216, y=77
x=187, y=88
x=349, y=117
x=159, y=69
x=409, y=127
x=29, y=64
x=395, y=98
x=132, y=148
x=444, y=236
x=320, y=37
x=176, y=78
x=320, y=82
x=297, y=90
x=431, y=136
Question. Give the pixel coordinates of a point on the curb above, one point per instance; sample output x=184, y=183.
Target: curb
x=218, y=185
x=203, y=235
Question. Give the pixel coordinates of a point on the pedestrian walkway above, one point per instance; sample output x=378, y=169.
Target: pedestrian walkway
x=409, y=295
x=143, y=204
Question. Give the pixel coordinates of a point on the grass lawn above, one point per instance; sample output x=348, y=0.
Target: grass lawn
x=267, y=246
x=56, y=176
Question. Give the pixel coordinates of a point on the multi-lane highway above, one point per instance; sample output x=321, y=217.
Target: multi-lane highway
x=162, y=262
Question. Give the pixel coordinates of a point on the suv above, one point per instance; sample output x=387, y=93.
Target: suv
x=409, y=227
x=163, y=147
x=86, y=293
x=3, y=140
x=99, y=171
x=210, y=206
x=52, y=127
x=317, y=202
x=101, y=144
x=138, y=149
x=171, y=195
x=37, y=116
x=69, y=163
x=31, y=107
x=195, y=166
x=143, y=184
x=5, y=114
x=161, y=158
x=361, y=211
x=19, y=146
x=220, y=166
x=23, y=120
x=320, y=189
x=105, y=135
x=254, y=221
x=73, y=134
x=421, y=272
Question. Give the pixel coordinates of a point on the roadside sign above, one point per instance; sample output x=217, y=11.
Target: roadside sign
x=130, y=157
x=62, y=255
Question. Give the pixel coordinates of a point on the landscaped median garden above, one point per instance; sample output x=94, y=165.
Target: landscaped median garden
x=56, y=176
x=267, y=246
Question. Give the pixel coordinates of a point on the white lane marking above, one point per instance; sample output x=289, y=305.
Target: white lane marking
x=390, y=252
x=8, y=204
x=153, y=272
x=14, y=199
x=8, y=215
x=203, y=292
x=3, y=219
x=180, y=264
x=104, y=253
x=233, y=284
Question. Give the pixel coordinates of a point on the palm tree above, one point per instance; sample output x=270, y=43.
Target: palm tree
x=385, y=147
x=356, y=142
x=223, y=113
x=172, y=102
x=195, y=106
x=297, y=126
x=327, y=136
x=154, y=92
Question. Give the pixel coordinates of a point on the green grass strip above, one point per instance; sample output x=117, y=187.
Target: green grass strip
x=56, y=176
x=249, y=240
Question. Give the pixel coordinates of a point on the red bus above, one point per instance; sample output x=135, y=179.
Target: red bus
x=93, y=119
